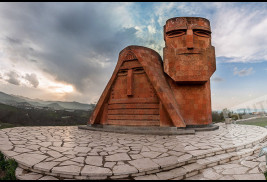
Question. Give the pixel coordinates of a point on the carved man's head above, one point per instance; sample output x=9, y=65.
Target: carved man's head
x=188, y=54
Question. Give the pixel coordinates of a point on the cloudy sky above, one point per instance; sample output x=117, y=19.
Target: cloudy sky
x=68, y=51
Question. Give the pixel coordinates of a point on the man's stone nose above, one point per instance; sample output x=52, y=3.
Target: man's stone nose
x=189, y=39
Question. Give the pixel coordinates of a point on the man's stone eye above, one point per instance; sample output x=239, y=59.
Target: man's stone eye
x=175, y=33
x=202, y=33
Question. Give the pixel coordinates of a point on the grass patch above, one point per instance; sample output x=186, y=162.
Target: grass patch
x=257, y=123
x=6, y=125
x=7, y=168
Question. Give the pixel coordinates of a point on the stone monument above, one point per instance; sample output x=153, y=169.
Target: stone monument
x=145, y=91
x=189, y=62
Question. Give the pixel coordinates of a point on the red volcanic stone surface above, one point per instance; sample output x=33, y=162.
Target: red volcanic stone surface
x=141, y=92
x=189, y=61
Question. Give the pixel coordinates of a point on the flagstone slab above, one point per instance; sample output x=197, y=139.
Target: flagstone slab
x=239, y=170
x=174, y=173
x=45, y=166
x=95, y=171
x=30, y=176
x=249, y=164
x=144, y=164
x=151, y=154
x=249, y=177
x=147, y=177
x=48, y=178
x=68, y=163
x=94, y=160
x=9, y=153
x=78, y=159
x=29, y=159
x=71, y=170
x=45, y=144
x=124, y=169
x=211, y=174
x=54, y=154
x=82, y=149
x=118, y=157
x=166, y=161
x=21, y=150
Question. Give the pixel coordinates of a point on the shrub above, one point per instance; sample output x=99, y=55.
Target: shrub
x=9, y=167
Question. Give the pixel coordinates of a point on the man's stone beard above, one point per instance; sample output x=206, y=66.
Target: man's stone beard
x=192, y=57
x=192, y=64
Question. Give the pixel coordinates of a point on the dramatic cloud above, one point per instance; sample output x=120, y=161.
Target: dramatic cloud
x=74, y=42
x=239, y=31
x=75, y=46
x=13, y=78
x=32, y=79
x=243, y=72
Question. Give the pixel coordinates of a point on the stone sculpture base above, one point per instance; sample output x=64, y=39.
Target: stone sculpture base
x=151, y=129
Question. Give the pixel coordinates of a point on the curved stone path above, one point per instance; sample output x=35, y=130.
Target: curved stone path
x=69, y=152
x=248, y=168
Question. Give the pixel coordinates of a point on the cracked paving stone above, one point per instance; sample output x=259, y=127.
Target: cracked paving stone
x=210, y=174
x=249, y=177
x=54, y=154
x=124, y=169
x=239, y=170
x=249, y=164
x=95, y=171
x=94, y=160
x=30, y=176
x=118, y=157
x=144, y=164
x=45, y=166
x=48, y=178
x=150, y=154
x=69, y=170
x=29, y=159
x=166, y=161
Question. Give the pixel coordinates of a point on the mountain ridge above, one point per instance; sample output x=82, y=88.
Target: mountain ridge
x=17, y=100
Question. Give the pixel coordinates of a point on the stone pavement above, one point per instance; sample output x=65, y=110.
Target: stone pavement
x=69, y=153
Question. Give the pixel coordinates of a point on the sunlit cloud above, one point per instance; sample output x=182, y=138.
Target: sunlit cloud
x=61, y=88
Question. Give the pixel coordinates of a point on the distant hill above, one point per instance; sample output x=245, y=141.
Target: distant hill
x=9, y=99
x=55, y=106
x=27, y=116
x=20, y=101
